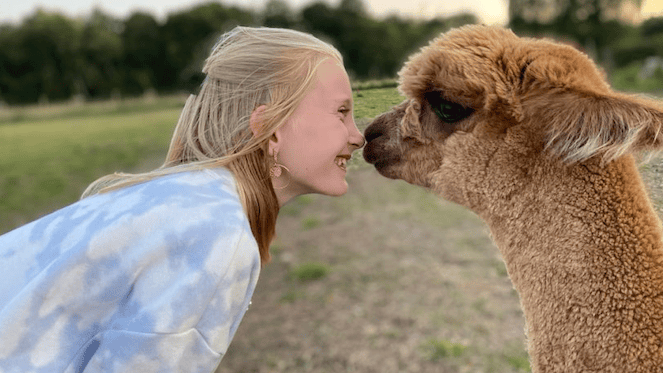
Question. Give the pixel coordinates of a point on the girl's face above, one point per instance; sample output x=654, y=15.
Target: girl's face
x=319, y=138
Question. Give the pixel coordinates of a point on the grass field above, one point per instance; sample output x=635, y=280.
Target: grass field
x=50, y=154
x=47, y=160
x=388, y=278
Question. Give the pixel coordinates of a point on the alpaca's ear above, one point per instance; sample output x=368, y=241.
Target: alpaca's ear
x=581, y=125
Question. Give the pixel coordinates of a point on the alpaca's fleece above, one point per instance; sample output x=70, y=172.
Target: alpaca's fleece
x=528, y=134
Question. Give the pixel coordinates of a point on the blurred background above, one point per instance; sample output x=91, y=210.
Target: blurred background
x=82, y=50
x=388, y=278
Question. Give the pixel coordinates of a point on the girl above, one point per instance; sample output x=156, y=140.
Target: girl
x=153, y=272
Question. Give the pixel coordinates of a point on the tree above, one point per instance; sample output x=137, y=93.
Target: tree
x=99, y=56
x=188, y=37
x=591, y=23
x=54, y=57
x=277, y=13
x=372, y=48
x=355, y=7
x=41, y=58
x=320, y=19
x=143, y=53
x=652, y=26
x=8, y=83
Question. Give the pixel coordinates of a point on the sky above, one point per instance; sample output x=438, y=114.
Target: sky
x=488, y=11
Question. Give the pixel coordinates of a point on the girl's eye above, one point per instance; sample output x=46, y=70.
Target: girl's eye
x=344, y=110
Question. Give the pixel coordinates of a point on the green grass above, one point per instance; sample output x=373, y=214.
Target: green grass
x=292, y=295
x=374, y=84
x=47, y=163
x=294, y=207
x=310, y=222
x=375, y=101
x=440, y=349
x=49, y=154
x=627, y=79
x=520, y=363
x=22, y=114
x=309, y=272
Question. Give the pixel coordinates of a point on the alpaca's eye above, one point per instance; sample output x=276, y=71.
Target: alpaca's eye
x=450, y=112
x=447, y=111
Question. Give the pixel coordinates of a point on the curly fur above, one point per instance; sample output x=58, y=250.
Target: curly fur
x=546, y=160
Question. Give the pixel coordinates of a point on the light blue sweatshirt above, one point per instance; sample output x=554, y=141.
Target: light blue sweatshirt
x=154, y=277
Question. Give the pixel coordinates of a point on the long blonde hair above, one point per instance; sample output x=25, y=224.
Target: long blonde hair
x=247, y=68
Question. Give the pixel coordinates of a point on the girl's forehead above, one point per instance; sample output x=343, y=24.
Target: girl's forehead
x=332, y=82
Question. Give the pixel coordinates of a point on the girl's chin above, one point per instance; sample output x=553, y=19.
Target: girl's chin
x=333, y=184
x=338, y=191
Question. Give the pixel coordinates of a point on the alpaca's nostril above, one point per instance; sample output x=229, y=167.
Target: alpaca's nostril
x=372, y=133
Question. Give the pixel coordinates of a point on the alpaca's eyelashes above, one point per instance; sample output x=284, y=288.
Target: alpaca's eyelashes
x=447, y=111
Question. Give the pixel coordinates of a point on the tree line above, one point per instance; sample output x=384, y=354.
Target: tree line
x=594, y=26
x=52, y=57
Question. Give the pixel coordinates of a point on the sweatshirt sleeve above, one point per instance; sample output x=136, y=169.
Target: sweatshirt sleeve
x=163, y=339
x=154, y=277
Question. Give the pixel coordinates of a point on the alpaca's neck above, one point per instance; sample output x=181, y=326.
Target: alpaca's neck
x=584, y=251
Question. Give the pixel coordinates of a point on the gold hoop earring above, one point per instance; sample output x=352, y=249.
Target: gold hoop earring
x=277, y=170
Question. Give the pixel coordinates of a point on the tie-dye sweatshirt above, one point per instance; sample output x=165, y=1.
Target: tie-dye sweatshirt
x=154, y=277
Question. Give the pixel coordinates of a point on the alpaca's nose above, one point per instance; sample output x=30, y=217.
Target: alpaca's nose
x=373, y=131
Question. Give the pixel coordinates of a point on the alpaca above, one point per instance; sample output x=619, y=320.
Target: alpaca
x=528, y=135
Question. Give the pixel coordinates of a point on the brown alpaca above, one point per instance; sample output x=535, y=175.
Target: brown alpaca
x=528, y=135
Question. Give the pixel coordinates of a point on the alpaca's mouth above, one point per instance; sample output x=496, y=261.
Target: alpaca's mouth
x=378, y=150
x=374, y=154
x=384, y=169
x=381, y=160
x=369, y=153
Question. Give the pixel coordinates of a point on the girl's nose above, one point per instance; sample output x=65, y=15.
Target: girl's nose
x=357, y=140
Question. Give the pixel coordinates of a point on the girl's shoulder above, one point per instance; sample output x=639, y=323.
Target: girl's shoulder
x=168, y=205
x=190, y=184
x=177, y=195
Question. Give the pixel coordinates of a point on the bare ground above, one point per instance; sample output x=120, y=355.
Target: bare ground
x=413, y=284
x=407, y=283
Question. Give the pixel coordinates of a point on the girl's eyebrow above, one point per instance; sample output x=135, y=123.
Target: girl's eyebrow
x=347, y=101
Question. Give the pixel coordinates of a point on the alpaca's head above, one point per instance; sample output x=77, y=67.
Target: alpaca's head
x=484, y=106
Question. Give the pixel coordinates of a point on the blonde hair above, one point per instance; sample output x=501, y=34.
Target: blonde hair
x=247, y=68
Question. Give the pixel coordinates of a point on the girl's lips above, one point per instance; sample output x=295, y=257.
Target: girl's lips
x=342, y=161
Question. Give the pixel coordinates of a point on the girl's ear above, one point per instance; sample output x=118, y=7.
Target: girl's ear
x=272, y=145
x=255, y=121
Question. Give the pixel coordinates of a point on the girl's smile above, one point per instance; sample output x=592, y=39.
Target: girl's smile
x=319, y=137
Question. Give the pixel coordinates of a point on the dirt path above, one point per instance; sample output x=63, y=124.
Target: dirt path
x=412, y=284
x=408, y=283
